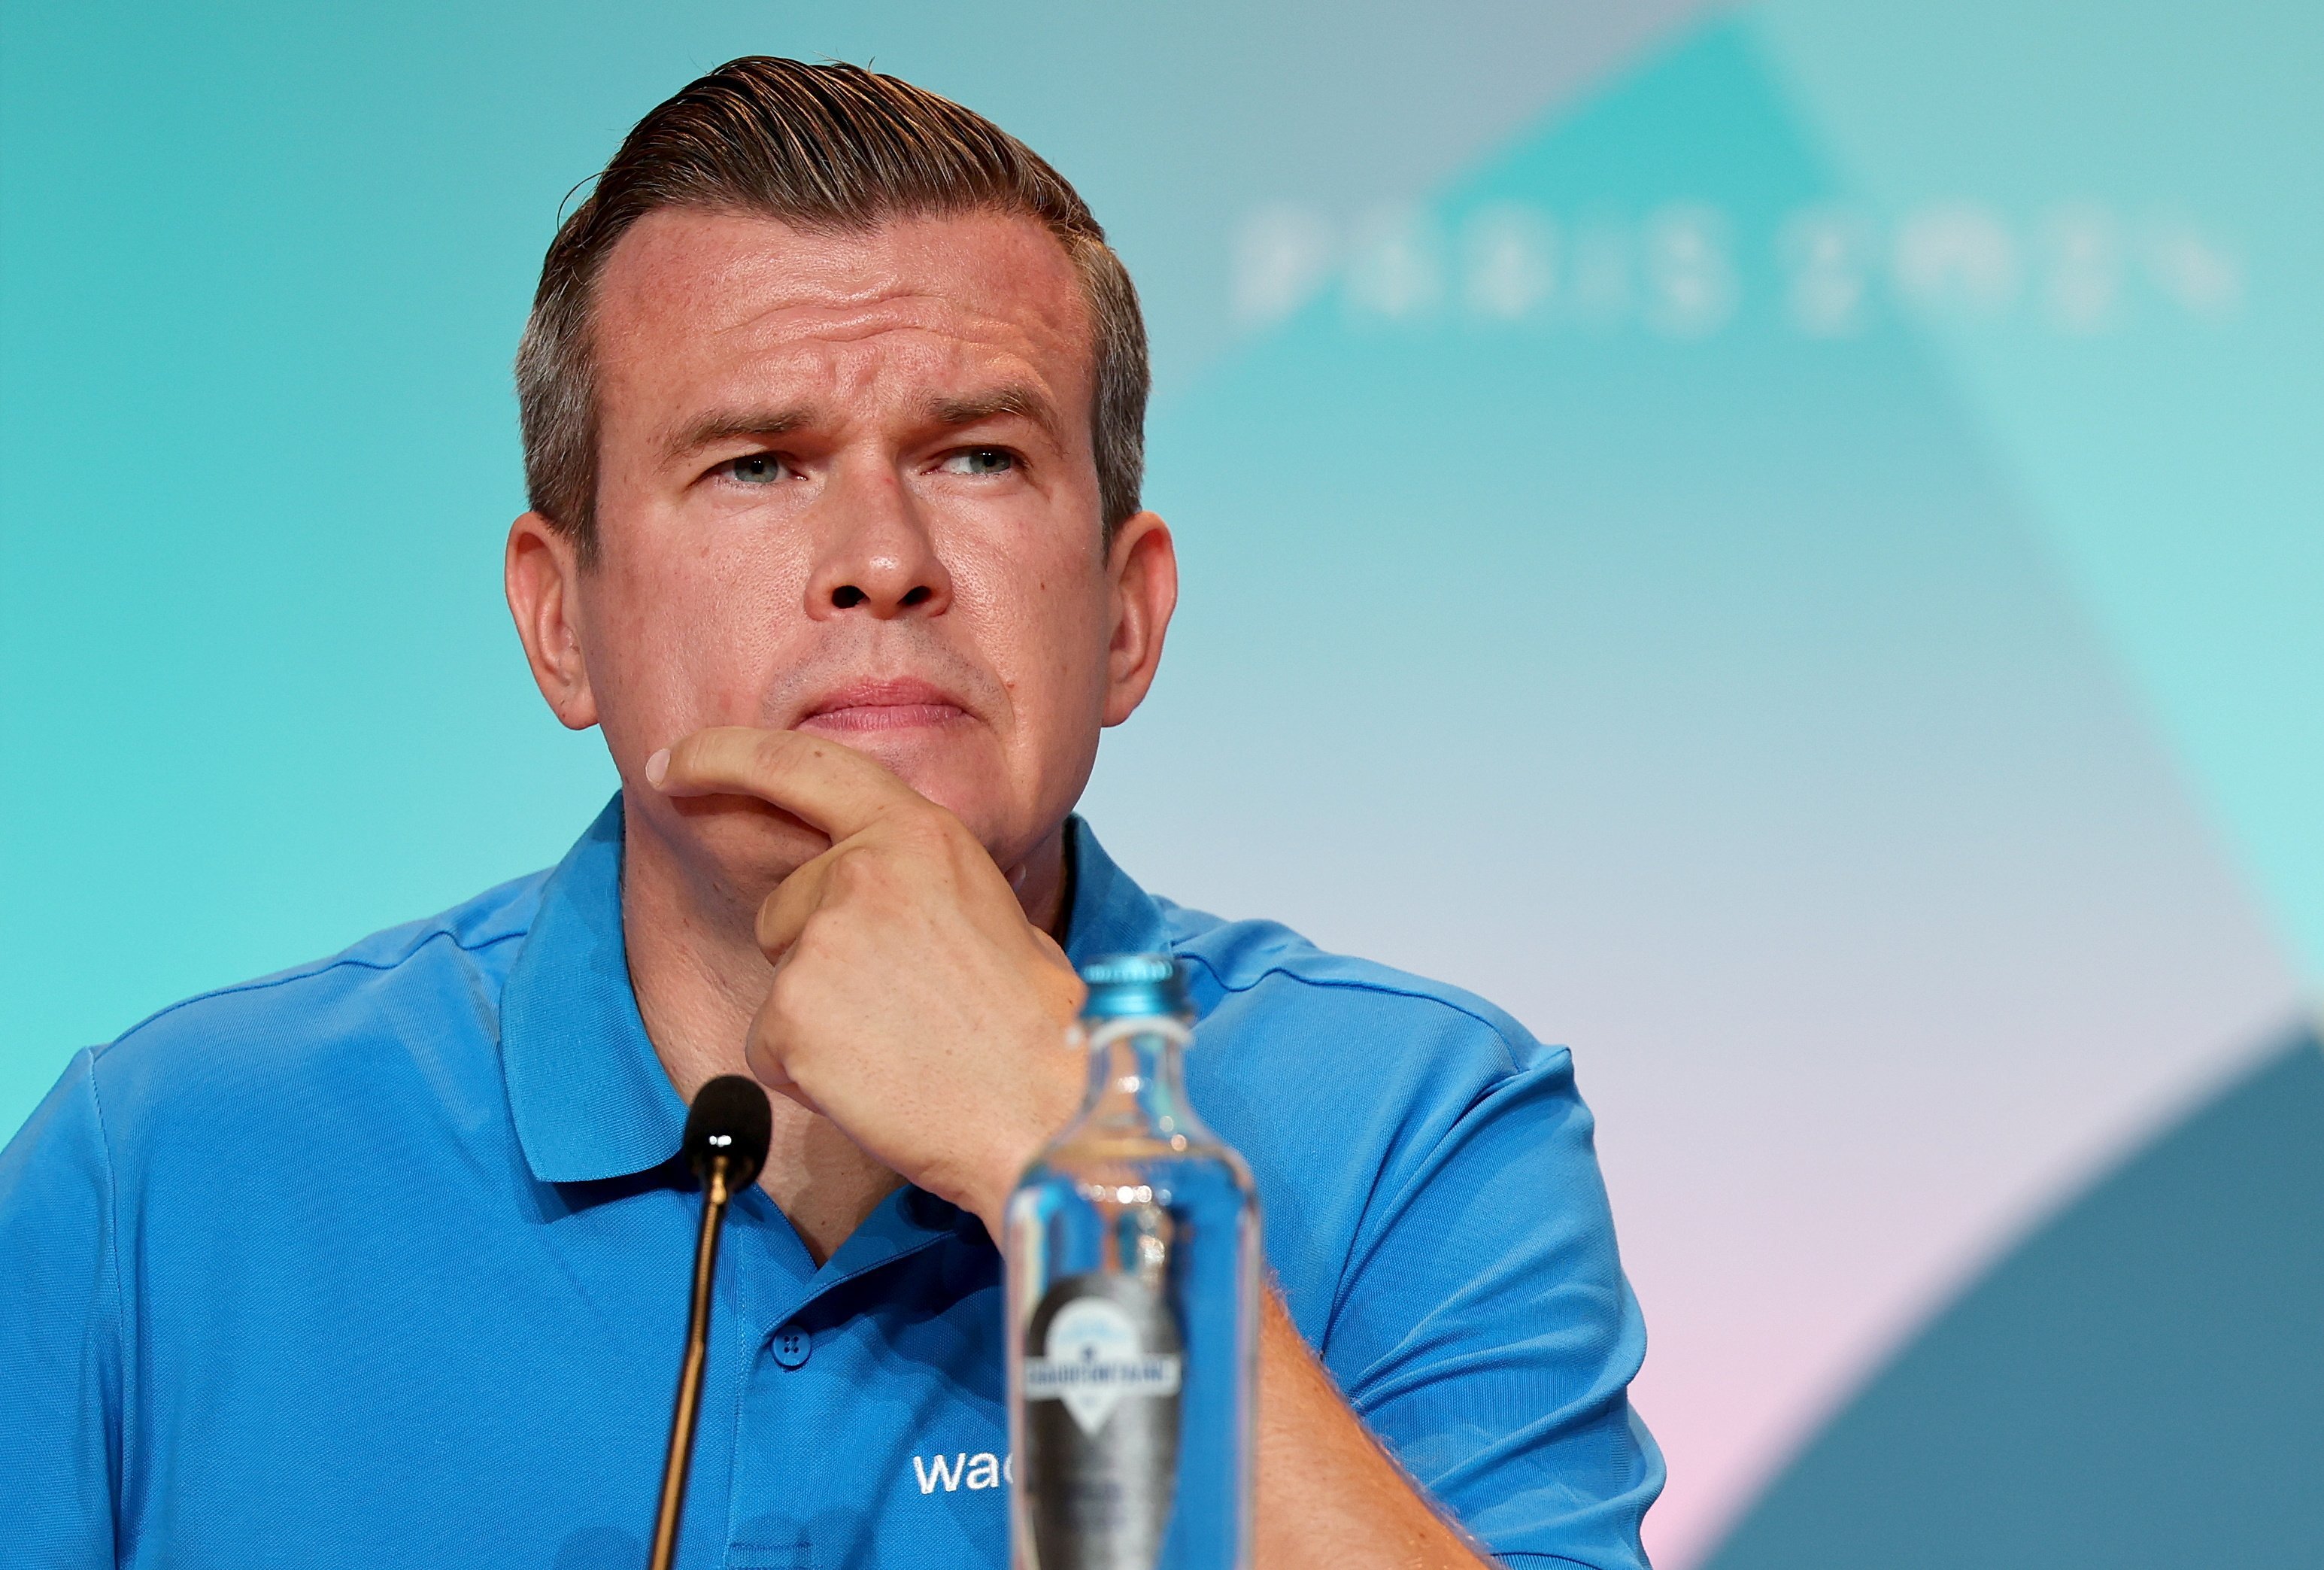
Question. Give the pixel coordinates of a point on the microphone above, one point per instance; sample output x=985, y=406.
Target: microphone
x=726, y=1134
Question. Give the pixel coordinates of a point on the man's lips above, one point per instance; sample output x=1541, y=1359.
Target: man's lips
x=898, y=704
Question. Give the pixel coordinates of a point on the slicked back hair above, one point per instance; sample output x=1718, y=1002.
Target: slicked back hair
x=829, y=149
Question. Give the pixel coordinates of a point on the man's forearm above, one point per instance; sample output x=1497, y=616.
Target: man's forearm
x=1329, y=1496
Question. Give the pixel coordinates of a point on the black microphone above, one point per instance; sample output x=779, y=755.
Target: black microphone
x=726, y=1134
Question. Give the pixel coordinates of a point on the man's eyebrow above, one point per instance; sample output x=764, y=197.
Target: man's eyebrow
x=1017, y=399
x=723, y=425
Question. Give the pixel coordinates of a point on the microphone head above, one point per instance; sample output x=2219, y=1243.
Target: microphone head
x=730, y=1117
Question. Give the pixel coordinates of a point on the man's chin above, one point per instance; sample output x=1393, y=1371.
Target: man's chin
x=752, y=843
x=920, y=757
x=952, y=765
x=746, y=841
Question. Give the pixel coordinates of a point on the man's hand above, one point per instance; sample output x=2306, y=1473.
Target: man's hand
x=915, y=1006
x=913, y=1003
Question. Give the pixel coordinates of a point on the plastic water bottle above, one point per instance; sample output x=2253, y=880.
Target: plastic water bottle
x=1133, y=1262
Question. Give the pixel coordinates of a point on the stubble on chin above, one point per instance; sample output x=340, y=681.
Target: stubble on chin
x=729, y=851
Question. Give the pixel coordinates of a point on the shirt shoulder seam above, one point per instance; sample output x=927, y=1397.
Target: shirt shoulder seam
x=308, y=973
x=1510, y=1071
x=1418, y=994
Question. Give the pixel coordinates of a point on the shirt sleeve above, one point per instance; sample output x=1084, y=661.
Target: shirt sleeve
x=1484, y=1332
x=60, y=1353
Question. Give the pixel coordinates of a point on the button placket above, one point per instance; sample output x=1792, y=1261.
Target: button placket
x=773, y=1273
x=792, y=1440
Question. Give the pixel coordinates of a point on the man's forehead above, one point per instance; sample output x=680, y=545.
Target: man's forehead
x=687, y=291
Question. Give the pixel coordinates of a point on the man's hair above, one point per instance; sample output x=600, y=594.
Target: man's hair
x=828, y=149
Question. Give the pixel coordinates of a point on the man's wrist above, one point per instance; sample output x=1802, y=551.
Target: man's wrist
x=1004, y=1170
x=1051, y=1100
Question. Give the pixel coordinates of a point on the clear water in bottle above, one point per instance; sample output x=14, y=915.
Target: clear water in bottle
x=1132, y=1251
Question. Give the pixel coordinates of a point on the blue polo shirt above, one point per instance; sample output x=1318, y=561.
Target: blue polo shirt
x=383, y=1262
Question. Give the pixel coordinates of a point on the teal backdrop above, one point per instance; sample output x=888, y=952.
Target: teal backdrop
x=1780, y=541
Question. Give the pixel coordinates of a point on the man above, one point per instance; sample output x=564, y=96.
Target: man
x=831, y=400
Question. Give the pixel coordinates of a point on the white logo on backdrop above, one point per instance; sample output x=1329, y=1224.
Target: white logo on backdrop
x=1679, y=270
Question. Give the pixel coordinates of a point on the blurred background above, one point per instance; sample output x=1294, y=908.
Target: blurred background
x=1784, y=543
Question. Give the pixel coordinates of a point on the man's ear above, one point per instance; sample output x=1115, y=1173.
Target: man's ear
x=1144, y=565
x=542, y=574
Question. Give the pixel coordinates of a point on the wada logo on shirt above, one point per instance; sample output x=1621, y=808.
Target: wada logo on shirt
x=1092, y=1359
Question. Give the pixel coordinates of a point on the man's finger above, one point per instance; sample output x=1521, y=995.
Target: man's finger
x=831, y=787
x=795, y=898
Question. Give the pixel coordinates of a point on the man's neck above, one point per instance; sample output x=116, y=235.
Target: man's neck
x=700, y=979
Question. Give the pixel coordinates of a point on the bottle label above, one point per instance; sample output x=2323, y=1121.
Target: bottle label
x=1101, y=1371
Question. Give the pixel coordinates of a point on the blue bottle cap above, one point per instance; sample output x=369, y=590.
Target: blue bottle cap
x=1132, y=986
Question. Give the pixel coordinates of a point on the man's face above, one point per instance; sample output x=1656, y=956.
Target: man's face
x=847, y=487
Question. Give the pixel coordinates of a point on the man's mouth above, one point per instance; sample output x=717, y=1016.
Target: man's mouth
x=859, y=708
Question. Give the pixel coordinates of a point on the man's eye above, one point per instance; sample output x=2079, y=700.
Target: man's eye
x=758, y=468
x=981, y=460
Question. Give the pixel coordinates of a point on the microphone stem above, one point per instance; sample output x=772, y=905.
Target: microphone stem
x=689, y=1379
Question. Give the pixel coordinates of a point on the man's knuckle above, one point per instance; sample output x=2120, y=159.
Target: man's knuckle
x=767, y=1045
x=767, y=749
x=772, y=928
x=817, y=941
x=852, y=873
x=924, y=827
x=783, y=1002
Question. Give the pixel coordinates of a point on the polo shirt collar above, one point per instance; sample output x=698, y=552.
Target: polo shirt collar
x=1110, y=913
x=590, y=1097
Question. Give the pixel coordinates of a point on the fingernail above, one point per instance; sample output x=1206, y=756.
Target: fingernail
x=657, y=767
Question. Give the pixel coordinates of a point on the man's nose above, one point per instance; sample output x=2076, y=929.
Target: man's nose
x=879, y=560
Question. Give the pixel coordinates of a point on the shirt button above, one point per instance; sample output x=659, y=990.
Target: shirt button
x=791, y=1345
